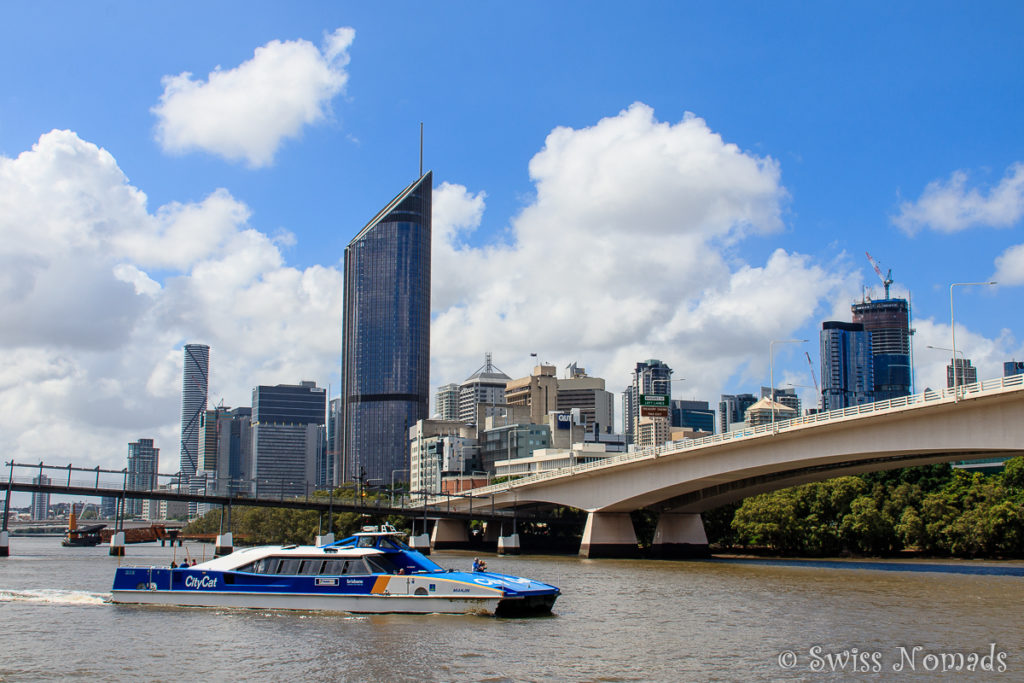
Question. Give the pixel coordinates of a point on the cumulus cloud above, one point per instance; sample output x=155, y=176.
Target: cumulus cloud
x=625, y=253
x=987, y=355
x=247, y=112
x=950, y=206
x=92, y=338
x=1010, y=266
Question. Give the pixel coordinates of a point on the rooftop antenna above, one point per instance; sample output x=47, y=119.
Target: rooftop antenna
x=421, y=149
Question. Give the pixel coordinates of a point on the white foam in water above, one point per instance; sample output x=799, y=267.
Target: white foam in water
x=54, y=597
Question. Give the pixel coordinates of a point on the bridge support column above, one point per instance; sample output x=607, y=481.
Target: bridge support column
x=508, y=545
x=609, y=534
x=224, y=545
x=450, y=534
x=680, y=536
x=326, y=539
x=420, y=543
x=5, y=543
x=117, y=544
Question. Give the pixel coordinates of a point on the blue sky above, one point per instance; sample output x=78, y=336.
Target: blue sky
x=685, y=181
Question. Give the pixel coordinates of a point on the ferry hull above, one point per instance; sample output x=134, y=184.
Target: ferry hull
x=355, y=604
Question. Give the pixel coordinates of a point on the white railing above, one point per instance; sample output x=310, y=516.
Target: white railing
x=914, y=401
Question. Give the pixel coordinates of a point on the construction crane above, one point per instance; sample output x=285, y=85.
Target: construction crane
x=886, y=279
x=813, y=376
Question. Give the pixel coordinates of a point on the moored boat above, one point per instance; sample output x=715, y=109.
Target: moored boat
x=370, y=572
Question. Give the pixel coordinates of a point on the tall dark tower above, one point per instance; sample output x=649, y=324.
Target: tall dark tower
x=888, y=321
x=385, y=364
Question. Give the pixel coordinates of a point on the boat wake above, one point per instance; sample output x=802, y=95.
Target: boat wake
x=54, y=597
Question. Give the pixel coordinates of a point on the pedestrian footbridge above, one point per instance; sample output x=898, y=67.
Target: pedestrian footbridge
x=684, y=478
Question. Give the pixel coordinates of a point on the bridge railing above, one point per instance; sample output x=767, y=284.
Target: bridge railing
x=926, y=397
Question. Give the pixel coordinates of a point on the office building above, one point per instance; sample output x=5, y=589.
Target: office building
x=439, y=449
x=538, y=392
x=287, y=437
x=888, y=321
x=486, y=385
x=847, y=365
x=965, y=373
x=1013, y=367
x=225, y=450
x=446, y=402
x=143, y=464
x=511, y=441
x=385, y=370
x=695, y=415
x=787, y=397
x=195, y=385
x=732, y=409
x=40, y=500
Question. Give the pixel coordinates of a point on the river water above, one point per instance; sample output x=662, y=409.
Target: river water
x=617, y=620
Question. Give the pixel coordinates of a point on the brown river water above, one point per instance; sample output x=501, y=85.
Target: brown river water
x=617, y=620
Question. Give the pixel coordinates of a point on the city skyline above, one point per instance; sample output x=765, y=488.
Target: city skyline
x=713, y=192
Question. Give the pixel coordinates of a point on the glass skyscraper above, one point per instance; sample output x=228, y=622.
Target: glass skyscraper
x=888, y=321
x=143, y=464
x=195, y=383
x=847, y=365
x=385, y=367
x=287, y=437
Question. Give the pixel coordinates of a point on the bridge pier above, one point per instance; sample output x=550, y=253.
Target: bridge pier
x=5, y=543
x=450, y=534
x=117, y=544
x=224, y=545
x=324, y=539
x=680, y=536
x=609, y=534
x=508, y=545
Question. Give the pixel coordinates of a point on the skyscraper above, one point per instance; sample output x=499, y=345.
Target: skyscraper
x=194, y=387
x=288, y=436
x=888, y=321
x=446, y=402
x=965, y=373
x=732, y=408
x=385, y=367
x=847, y=365
x=143, y=464
x=650, y=377
x=40, y=500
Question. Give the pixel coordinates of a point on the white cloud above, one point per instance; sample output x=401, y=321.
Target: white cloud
x=92, y=341
x=626, y=254
x=950, y=206
x=987, y=355
x=1010, y=266
x=247, y=112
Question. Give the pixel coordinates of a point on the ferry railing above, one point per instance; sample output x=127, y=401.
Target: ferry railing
x=911, y=402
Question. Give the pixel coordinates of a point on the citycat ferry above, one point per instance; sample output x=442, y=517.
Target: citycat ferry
x=370, y=572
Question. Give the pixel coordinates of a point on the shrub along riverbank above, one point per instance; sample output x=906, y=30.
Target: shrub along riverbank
x=934, y=510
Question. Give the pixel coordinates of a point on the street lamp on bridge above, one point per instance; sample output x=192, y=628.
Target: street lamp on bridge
x=952, y=330
x=771, y=371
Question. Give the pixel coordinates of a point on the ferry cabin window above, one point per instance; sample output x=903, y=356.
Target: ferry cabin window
x=381, y=564
x=366, y=542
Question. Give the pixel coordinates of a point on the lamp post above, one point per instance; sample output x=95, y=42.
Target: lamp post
x=952, y=330
x=393, y=484
x=771, y=371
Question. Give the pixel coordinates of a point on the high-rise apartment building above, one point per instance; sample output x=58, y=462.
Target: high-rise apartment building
x=385, y=370
x=650, y=377
x=288, y=436
x=888, y=321
x=847, y=365
x=40, y=500
x=143, y=464
x=446, y=402
x=965, y=373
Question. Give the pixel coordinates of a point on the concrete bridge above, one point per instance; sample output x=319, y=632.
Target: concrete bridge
x=683, y=479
